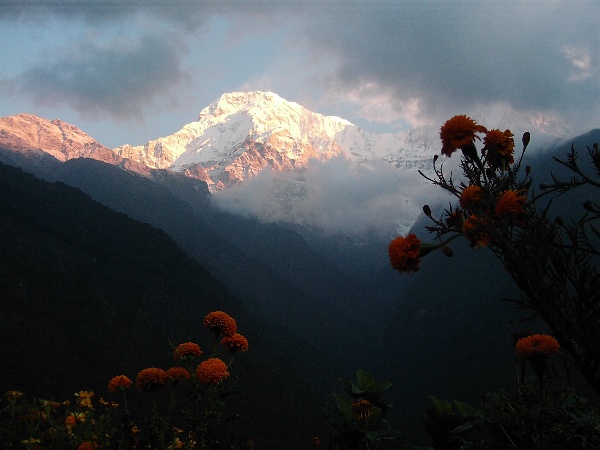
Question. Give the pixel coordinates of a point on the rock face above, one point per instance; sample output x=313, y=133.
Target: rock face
x=28, y=133
x=241, y=134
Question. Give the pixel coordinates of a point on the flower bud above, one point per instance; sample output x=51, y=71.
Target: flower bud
x=447, y=251
x=543, y=186
x=589, y=206
x=527, y=170
x=427, y=210
x=526, y=138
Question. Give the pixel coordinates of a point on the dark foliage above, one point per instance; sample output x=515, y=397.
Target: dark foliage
x=89, y=293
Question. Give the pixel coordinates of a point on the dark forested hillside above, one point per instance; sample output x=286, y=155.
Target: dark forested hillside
x=87, y=293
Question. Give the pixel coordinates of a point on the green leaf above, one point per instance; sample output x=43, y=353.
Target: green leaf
x=344, y=405
x=364, y=379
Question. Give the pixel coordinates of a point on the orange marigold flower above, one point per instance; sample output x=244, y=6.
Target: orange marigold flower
x=119, y=383
x=70, y=420
x=87, y=445
x=537, y=345
x=213, y=370
x=404, y=253
x=235, y=343
x=510, y=204
x=476, y=232
x=361, y=409
x=219, y=322
x=459, y=132
x=471, y=197
x=151, y=379
x=178, y=374
x=498, y=149
x=187, y=350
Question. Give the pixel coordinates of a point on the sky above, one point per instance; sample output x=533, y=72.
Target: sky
x=127, y=71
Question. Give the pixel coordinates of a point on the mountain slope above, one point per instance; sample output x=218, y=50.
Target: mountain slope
x=88, y=293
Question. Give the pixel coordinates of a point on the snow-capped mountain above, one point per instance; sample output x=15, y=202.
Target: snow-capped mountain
x=28, y=133
x=240, y=134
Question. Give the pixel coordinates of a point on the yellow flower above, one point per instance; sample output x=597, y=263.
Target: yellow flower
x=110, y=404
x=459, y=132
x=13, y=395
x=85, y=398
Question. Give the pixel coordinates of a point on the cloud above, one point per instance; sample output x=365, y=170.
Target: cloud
x=334, y=196
x=117, y=79
x=454, y=57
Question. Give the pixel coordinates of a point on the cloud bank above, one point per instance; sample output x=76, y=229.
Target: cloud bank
x=335, y=197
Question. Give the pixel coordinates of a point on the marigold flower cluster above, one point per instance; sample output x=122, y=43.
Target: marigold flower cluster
x=471, y=197
x=212, y=371
x=119, y=383
x=459, y=132
x=187, y=350
x=498, y=149
x=178, y=374
x=220, y=323
x=537, y=345
x=151, y=379
x=482, y=205
x=404, y=253
x=235, y=343
x=475, y=230
x=510, y=204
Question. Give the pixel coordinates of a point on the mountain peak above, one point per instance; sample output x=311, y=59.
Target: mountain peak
x=232, y=102
x=241, y=133
x=255, y=102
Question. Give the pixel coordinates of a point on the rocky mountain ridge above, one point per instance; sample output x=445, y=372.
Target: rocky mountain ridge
x=241, y=134
x=30, y=134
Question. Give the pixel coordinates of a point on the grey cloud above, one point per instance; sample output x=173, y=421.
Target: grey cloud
x=189, y=13
x=98, y=10
x=119, y=80
x=459, y=55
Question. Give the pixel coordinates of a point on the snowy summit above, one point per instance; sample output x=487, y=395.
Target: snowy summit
x=242, y=133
